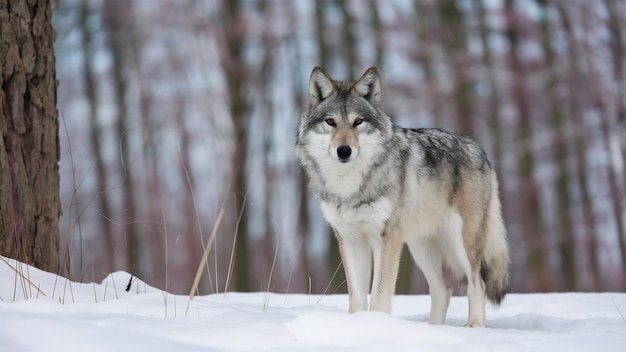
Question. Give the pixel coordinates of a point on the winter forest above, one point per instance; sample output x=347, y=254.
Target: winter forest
x=174, y=112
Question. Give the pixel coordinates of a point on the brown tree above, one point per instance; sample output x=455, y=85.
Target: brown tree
x=29, y=149
x=233, y=66
x=96, y=135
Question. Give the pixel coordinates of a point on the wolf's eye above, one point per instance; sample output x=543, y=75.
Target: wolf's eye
x=330, y=121
x=358, y=121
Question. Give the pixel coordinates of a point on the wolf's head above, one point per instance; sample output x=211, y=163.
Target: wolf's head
x=343, y=119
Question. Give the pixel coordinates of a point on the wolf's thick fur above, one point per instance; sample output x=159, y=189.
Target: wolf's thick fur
x=382, y=186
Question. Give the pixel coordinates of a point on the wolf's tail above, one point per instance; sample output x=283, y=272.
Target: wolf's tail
x=495, y=266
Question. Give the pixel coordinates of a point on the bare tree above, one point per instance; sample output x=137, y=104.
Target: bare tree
x=96, y=136
x=559, y=125
x=116, y=19
x=618, y=52
x=233, y=65
x=29, y=149
x=538, y=272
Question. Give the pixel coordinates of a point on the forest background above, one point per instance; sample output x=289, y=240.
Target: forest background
x=170, y=111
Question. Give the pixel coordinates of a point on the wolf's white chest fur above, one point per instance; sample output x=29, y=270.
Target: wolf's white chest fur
x=342, y=180
x=353, y=222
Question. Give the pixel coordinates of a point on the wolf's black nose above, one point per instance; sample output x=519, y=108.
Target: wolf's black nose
x=343, y=152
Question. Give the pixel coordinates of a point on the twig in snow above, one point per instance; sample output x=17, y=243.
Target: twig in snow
x=130, y=282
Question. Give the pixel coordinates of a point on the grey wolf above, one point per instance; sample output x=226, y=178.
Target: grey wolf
x=382, y=186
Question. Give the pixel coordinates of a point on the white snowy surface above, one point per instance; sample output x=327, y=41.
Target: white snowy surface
x=69, y=316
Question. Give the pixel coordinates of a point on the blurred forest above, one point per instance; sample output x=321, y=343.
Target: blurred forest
x=173, y=110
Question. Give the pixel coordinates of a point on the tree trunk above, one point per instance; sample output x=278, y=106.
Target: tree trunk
x=559, y=122
x=580, y=149
x=618, y=53
x=30, y=206
x=96, y=142
x=539, y=276
x=235, y=71
x=118, y=31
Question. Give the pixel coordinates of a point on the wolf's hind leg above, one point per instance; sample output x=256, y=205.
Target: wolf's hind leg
x=356, y=255
x=386, y=264
x=476, y=299
x=428, y=258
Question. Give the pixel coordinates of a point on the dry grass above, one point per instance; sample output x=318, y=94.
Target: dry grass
x=20, y=277
x=203, y=262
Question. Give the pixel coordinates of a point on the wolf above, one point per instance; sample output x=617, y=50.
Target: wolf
x=383, y=186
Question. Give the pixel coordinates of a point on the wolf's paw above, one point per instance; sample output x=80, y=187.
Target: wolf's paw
x=475, y=324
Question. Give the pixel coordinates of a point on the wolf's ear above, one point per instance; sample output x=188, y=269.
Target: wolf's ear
x=321, y=86
x=368, y=86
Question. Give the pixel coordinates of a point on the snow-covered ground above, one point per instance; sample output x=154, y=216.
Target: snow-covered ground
x=66, y=316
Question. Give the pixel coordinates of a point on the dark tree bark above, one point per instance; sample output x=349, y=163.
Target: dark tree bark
x=30, y=206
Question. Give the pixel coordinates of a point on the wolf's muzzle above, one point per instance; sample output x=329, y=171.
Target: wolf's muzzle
x=344, y=152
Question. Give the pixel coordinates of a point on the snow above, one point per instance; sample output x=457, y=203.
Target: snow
x=69, y=316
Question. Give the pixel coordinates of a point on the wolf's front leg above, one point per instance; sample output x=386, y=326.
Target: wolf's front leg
x=386, y=264
x=357, y=263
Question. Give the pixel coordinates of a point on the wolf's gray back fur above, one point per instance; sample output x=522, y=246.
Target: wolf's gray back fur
x=398, y=165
